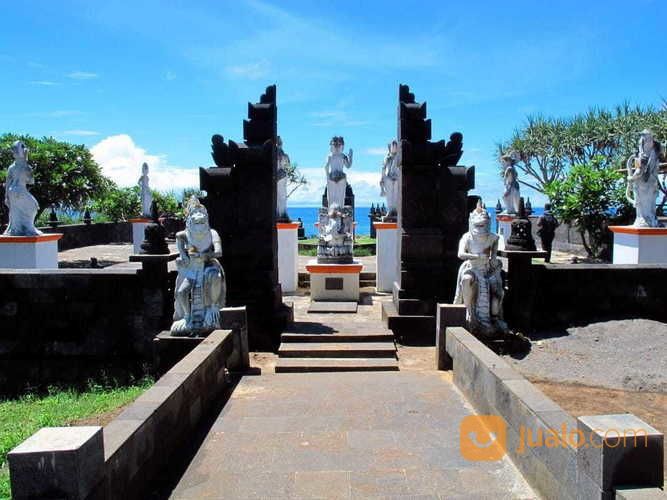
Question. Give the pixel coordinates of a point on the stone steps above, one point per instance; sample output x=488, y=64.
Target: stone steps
x=310, y=346
x=337, y=350
x=337, y=337
x=302, y=365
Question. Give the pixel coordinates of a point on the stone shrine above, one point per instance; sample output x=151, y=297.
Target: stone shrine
x=23, y=246
x=199, y=293
x=241, y=202
x=521, y=237
x=432, y=214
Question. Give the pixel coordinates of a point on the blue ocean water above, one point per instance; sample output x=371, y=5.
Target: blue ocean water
x=308, y=216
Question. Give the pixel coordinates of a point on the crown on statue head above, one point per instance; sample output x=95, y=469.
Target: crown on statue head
x=193, y=206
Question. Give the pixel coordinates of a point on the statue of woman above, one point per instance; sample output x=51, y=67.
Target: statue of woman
x=642, y=190
x=389, y=180
x=146, y=196
x=512, y=194
x=281, y=184
x=23, y=206
x=337, y=161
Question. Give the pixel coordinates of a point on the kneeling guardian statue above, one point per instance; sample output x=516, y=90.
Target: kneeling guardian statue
x=480, y=283
x=200, y=286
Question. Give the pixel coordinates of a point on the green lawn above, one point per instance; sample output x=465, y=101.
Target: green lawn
x=20, y=418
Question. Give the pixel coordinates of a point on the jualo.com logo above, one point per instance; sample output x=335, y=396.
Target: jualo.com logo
x=484, y=438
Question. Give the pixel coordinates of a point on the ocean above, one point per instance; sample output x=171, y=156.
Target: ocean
x=309, y=217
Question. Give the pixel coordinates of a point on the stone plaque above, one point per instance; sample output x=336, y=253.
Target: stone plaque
x=333, y=283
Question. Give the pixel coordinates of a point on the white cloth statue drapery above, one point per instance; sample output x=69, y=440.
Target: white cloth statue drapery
x=22, y=205
x=642, y=189
x=335, y=166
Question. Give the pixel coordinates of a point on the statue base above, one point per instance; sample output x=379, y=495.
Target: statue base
x=29, y=252
x=288, y=255
x=138, y=227
x=334, y=282
x=504, y=228
x=639, y=245
x=386, y=255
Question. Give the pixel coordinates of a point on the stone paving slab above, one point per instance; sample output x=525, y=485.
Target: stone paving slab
x=332, y=307
x=344, y=435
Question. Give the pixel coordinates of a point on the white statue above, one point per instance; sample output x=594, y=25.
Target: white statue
x=642, y=190
x=390, y=177
x=336, y=241
x=22, y=205
x=512, y=194
x=200, y=286
x=146, y=196
x=281, y=184
x=335, y=166
x=479, y=283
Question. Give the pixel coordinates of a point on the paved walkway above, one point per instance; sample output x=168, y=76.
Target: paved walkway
x=344, y=435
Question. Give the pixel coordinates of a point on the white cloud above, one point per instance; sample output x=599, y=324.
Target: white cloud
x=252, y=71
x=376, y=151
x=43, y=83
x=366, y=187
x=121, y=160
x=170, y=76
x=82, y=75
x=79, y=132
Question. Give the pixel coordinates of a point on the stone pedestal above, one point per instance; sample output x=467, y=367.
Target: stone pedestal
x=520, y=285
x=138, y=226
x=58, y=462
x=288, y=255
x=639, y=245
x=504, y=228
x=29, y=252
x=334, y=282
x=386, y=255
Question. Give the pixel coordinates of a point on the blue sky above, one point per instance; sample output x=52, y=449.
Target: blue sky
x=152, y=81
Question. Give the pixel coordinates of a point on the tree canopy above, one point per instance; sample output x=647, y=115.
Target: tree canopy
x=66, y=175
x=549, y=147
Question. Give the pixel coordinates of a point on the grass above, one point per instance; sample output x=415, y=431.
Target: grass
x=22, y=417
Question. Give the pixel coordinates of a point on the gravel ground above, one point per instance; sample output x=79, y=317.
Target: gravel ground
x=622, y=354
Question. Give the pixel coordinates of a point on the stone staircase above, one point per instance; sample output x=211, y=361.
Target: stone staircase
x=318, y=347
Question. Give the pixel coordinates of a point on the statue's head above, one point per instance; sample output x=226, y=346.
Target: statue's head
x=509, y=159
x=144, y=168
x=479, y=222
x=646, y=140
x=196, y=216
x=20, y=150
x=337, y=144
x=393, y=147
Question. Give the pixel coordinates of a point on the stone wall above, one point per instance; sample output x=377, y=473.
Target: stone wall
x=585, y=457
x=128, y=458
x=83, y=235
x=564, y=294
x=62, y=325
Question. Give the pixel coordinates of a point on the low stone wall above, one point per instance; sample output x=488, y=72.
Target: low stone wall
x=134, y=447
x=556, y=465
x=563, y=294
x=63, y=325
x=84, y=235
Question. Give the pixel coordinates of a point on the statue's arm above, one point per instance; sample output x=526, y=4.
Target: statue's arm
x=217, y=244
x=463, y=253
x=348, y=162
x=181, y=245
x=327, y=165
